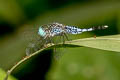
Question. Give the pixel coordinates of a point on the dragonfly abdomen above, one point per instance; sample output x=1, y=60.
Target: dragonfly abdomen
x=100, y=27
x=74, y=30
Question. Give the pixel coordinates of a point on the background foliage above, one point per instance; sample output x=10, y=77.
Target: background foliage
x=20, y=16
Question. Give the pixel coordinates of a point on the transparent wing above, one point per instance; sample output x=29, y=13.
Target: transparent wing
x=34, y=41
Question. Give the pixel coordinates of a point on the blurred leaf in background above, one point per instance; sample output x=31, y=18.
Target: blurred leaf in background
x=3, y=74
x=88, y=64
x=16, y=15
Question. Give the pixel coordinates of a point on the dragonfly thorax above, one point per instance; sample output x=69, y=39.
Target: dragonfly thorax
x=51, y=30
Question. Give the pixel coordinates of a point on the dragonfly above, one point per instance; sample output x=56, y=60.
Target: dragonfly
x=49, y=31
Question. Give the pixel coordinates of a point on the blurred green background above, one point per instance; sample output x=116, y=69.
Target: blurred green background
x=20, y=16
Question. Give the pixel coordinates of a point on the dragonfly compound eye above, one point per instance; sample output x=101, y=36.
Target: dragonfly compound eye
x=41, y=32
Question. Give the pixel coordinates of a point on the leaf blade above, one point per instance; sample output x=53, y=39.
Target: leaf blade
x=109, y=43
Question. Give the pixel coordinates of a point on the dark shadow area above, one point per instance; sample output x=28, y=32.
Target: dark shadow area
x=66, y=45
x=34, y=68
x=5, y=28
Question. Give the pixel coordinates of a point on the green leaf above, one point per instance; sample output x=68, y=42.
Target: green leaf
x=3, y=75
x=110, y=43
x=83, y=63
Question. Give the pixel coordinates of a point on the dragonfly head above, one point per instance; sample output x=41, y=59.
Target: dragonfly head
x=41, y=32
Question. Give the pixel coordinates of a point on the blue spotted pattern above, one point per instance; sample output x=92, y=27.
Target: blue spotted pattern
x=56, y=29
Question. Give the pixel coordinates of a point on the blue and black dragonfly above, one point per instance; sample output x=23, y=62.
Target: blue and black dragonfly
x=49, y=31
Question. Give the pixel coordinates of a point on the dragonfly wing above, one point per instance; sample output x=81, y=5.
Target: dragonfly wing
x=34, y=41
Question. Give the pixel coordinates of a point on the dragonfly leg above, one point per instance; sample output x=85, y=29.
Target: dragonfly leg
x=66, y=36
x=42, y=43
x=52, y=40
x=46, y=40
x=63, y=38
